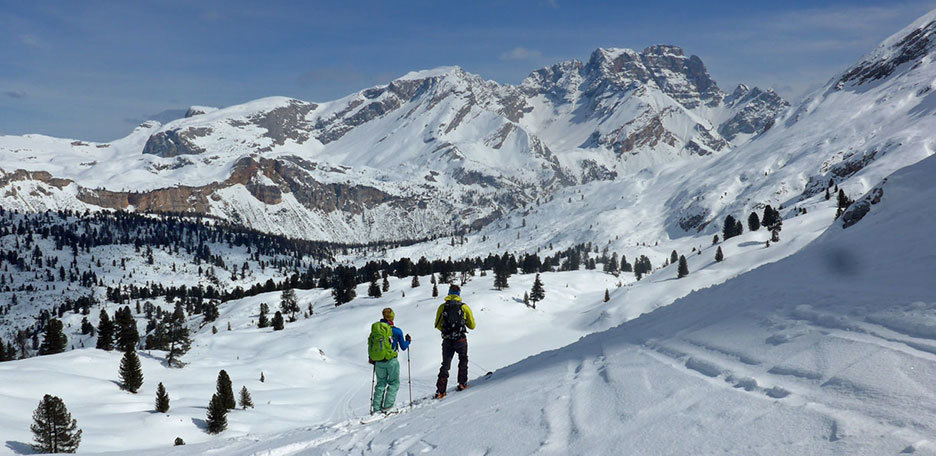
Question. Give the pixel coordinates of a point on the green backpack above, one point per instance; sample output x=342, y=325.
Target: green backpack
x=380, y=342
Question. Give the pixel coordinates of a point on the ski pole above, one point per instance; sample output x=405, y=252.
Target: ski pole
x=370, y=406
x=480, y=367
x=409, y=376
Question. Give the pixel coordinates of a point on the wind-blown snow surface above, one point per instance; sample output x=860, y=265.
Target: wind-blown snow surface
x=829, y=351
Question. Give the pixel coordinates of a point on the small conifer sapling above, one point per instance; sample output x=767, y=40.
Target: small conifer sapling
x=131, y=372
x=245, y=400
x=162, y=399
x=217, y=415
x=683, y=268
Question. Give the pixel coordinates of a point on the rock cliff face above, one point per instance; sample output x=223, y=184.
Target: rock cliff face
x=908, y=48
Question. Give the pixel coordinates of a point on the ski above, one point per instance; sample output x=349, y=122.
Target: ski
x=380, y=415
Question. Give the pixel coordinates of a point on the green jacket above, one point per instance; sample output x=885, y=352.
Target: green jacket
x=469, y=318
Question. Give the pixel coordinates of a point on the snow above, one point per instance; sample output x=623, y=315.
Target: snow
x=829, y=350
x=822, y=343
x=786, y=359
x=431, y=73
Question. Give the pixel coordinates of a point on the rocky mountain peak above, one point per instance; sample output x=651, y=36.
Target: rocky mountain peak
x=198, y=110
x=664, y=66
x=739, y=92
x=664, y=50
x=907, y=48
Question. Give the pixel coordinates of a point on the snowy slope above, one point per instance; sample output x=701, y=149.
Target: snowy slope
x=830, y=351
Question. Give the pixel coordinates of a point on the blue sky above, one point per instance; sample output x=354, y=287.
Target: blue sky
x=93, y=69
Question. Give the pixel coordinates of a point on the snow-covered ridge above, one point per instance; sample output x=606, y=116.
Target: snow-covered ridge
x=443, y=150
x=909, y=48
x=434, y=132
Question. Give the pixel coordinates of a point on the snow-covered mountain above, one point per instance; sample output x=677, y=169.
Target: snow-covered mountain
x=821, y=343
x=429, y=153
x=828, y=351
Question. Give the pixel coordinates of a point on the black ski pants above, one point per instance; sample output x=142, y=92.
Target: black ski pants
x=449, y=348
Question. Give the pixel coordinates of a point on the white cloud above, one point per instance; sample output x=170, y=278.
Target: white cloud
x=521, y=53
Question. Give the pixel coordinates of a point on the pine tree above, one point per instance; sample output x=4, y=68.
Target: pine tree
x=719, y=256
x=673, y=257
x=177, y=337
x=435, y=290
x=278, y=321
x=500, y=277
x=771, y=218
x=526, y=299
x=262, y=378
x=842, y=203
x=158, y=339
x=611, y=265
x=217, y=415
x=374, y=290
x=607, y=296
x=53, y=428
x=225, y=390
x=344, y=289
x=105, y=340
x=126, y=335
x=415, y=282
x=537, y=293
x=53, y=340
x=753, y=222
x=263, y=321
x=683, y=268
x=162, y=399
x=245, y=399
x=289, y=304
x=131, y=372
x=211, y=312
x=728, y=228
x=385, y=286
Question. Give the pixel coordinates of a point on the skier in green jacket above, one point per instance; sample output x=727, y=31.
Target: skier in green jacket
x=384, y=341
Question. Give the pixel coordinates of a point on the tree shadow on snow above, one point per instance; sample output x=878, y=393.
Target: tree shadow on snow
x=161, y=359
x=20, y=447
x=750, y=243
x=200, y=424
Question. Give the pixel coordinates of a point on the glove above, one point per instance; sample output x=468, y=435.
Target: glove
x=408, y=338
x=370, y=360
